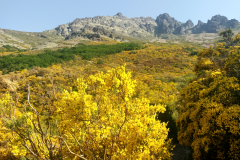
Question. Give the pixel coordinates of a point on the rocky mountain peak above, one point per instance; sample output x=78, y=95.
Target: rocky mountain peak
x=200, y=23
x=165, y=16
x=233, y=23
x=218, y=23
x=189, y=24
x=184, y=28
x=113, y=26
x=119, y=14
x=166, y=24
x=219, y=19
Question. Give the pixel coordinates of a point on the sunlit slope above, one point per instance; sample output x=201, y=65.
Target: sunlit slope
x=163, y=69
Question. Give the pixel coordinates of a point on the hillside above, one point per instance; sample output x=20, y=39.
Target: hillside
x=164, y=29
x=92, y=99
x=159, y=68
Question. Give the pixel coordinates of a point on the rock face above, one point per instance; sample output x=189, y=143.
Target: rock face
x=166, y=24
x=216, y=24
x=91, y=36
x=40, y=35
x=185, y=28
x=121, y=26
x=106, y=25
x=199, y=28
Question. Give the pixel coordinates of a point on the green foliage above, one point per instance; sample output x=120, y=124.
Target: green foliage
x=100, y=61
x=192, y=51
x=7, y=48
x=11, y=63
x=227, y=36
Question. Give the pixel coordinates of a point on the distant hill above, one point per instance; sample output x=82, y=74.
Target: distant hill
x=163, y=29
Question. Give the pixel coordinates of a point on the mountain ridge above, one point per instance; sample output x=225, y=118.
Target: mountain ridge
x=143, y=26
x=163, y=29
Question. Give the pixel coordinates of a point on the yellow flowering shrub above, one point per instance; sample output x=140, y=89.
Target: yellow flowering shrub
x=210, y=108
x=98, y=119
x=10, y=145
x=102, y=120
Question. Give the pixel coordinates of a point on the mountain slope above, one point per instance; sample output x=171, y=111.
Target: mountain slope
x=162, y=29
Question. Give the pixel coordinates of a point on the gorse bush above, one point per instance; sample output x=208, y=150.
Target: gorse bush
x=210, y=107
x=100, y=120
x=55, y=94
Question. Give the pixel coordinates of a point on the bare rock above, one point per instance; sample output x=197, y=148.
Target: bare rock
x=140, y=26
x=40, y=35
x=184, y=28
x=105, y=25
x=216, y=24
x=199, y=28
x=166, y=24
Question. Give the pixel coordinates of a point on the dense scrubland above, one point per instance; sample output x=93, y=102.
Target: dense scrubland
x=11, y=63
x=121, y=101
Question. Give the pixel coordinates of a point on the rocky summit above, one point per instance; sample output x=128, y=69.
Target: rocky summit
x=120, y=26
x=166, y=24
x=214, y=25
x=163, y=29
x=108, y=26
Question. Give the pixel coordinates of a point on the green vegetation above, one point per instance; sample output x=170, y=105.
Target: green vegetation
x=227, y=36
x=33, y=38
x=11, y=63
x=7, y=48
x=193, y=52
x=100, y=61
x=199, y=89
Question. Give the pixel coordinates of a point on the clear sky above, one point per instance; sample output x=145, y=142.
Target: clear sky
x=40, y=15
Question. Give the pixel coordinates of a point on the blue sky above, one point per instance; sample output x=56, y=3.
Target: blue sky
x=40, y=15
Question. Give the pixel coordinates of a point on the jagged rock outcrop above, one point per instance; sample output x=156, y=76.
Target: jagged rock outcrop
x=199, y=28
x=166, y=24
x=119, y=25
x=40, y=35
x=119, y=15
x=233, y=23
x=91, y=36
x=216, y=24
x=185, y=28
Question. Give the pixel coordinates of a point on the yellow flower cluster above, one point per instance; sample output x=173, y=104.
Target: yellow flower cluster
x=103, y=119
